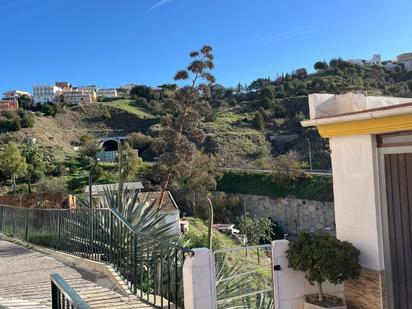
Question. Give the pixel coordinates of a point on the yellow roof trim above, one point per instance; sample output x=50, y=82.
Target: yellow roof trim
x=367, y=126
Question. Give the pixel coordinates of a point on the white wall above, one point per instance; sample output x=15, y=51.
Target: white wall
x=199, y=281
x=355, y=187
x=173, y=216
x=291, y=286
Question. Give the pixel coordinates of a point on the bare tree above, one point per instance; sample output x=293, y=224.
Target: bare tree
x=181, y=127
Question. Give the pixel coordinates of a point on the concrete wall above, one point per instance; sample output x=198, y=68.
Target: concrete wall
x=41, y=200
x=292, y=214
x=291, y=286
x=199, y=282
x=173, y=216
x=358, y=218
x=357, y=202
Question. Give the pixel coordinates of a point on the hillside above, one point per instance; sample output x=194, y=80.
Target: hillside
x=250, y=125
x=197, y=236
x=63, y=131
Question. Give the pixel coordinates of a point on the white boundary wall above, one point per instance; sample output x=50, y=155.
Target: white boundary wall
x=199, y=282
x=290, y=286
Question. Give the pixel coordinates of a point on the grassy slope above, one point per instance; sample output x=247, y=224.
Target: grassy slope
x=129, y=106
x=238, y=143
x=198, y=236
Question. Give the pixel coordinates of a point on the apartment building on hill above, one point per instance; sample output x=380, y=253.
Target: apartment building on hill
x=46, y=94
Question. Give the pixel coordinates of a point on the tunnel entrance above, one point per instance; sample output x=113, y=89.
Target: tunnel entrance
x=110, y=145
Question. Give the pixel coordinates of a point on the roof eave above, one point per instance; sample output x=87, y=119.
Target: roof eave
x=358, y=116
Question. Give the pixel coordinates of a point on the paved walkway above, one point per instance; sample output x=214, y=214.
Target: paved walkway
x=25, y=282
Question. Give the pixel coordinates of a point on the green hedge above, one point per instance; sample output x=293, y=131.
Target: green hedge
x=317, y=188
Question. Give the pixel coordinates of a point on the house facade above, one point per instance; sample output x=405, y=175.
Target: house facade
x=406, y=59
x=45, y=94
x=75, y=96
x=16, y=94
x=9, y=105
x=371, y=150
x=106, y=93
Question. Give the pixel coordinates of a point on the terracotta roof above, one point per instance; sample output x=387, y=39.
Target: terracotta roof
x=168, y=203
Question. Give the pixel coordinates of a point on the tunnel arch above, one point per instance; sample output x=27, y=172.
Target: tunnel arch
x=110, y=145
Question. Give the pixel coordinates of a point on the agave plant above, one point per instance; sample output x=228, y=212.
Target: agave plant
x=239, y=286
x=142, y=217
x=158, y=253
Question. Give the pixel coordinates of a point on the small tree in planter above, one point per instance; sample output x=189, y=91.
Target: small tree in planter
x=323, y=257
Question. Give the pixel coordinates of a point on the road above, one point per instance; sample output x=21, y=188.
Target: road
x=266, y=171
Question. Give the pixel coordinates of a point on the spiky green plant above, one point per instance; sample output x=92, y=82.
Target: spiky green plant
x=158, y=255
x=234, y=279
x=143, y=217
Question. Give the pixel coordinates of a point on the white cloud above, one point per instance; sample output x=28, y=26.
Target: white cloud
x=158, y=4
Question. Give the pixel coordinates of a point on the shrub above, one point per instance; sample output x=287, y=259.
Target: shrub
x=48, y=109
x=51, y=185
x=226, y=209
x=27, y=120
x=14, y=124
x=278, y=122
x=323, y=257
x=288, y=168
x=258, y=121
x=300, y=117
x=58, y=170
x=321, y=65
x=141, y=102
x=257, y=230
x=138, y=140
x=316, y=188
x=278, y=109
x=9, y=114
x=106, y=114
x=267, y=103
x=86, y=138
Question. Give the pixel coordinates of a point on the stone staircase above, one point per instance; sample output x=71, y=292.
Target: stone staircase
x=25, y=282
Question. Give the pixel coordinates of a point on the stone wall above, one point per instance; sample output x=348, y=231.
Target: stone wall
x=41, y=200
x=292, y=214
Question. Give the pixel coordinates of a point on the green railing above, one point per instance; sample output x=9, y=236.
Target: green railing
x=152, y=268
x=63, y=296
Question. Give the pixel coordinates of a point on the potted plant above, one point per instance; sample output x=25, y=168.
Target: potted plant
x=321, y=258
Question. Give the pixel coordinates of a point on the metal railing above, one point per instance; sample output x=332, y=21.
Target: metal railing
x=63, y=296
x=244, y=277
x=151, y=267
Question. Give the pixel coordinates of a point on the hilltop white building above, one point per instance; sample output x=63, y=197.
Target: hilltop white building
x=376, y=59
x=45, y=94
x=406, y=59
x=106, y=93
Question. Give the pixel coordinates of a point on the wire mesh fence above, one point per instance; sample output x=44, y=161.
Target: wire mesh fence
x=244, y=277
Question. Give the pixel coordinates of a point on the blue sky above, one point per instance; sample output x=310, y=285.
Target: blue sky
x=112, y=42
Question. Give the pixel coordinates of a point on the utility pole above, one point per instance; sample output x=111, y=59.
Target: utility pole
x=120, y=185
x=91, y=183
x=210, y=236
x=310, y=154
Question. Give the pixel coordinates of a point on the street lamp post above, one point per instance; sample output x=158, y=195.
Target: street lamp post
x=310, y=154
x=210, y=236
